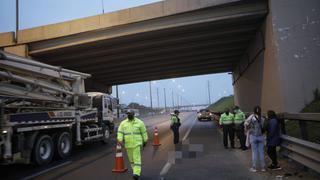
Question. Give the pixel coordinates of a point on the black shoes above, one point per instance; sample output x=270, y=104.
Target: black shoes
x=136, y=177
x=245, y=148
x=274, y=167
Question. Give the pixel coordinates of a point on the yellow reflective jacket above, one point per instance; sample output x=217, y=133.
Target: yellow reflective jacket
x=226, y=119
x=132, y=133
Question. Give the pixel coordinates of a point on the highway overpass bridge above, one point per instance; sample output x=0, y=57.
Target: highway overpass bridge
x=271, y=47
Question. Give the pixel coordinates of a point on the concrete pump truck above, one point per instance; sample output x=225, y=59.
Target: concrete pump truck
x=44, y=111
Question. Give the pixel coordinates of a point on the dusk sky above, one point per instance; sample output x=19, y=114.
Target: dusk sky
x=42, y=12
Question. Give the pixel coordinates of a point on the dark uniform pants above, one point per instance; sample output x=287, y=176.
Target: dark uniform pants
x=272, y=153
x=175, y=130
x=240, y=135
x=228, y=131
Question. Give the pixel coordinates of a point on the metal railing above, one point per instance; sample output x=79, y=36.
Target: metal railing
x=300, y=150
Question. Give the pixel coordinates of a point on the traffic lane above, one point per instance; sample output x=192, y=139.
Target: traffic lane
x=95, y=161
x=204, y=157
x=155, y=158
x=79, y=152
x=82, y=154
x=151, y=157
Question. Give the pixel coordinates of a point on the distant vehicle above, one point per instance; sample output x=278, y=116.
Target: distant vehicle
x=204, y=114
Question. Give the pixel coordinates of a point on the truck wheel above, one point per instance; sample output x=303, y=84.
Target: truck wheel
x=43, y=150
x=64, y=145
x=106, y=135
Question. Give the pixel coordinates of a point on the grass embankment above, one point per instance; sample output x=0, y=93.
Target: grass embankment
x=313, y=128
x=221, y=104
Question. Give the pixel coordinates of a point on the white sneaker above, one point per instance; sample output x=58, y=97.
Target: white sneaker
x=263, y=170
x=253, y=169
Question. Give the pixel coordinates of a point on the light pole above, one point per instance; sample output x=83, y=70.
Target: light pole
x=17, y=21
x=209, y=92
x=178, y=101
x=158, y=97
x=150, y=95
x=117, y=94
x=165, y=99
x=102, y=3
x=172, y=100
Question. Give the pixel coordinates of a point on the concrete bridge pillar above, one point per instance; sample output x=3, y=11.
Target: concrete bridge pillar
x=280, y=69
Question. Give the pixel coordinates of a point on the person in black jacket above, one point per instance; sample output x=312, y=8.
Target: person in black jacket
x=273, y=139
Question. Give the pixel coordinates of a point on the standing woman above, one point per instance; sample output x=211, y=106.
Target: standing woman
x=175, y=124
x=254, y=124
x=273, y=139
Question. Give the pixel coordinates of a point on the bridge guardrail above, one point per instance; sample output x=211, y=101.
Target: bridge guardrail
x=300, y=150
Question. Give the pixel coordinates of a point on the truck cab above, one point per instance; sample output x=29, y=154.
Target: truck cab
x=106, y=106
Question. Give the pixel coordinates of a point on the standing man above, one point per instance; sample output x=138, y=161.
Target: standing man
x=239, y=118
x=175, y=124
x=226, y=120
x=133, y=133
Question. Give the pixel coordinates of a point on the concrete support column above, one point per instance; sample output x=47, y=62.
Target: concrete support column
x=280, y=69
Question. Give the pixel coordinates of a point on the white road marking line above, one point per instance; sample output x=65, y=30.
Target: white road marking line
x=45, y=171
x=165, y=169
x=188, y=132
x=168, y=165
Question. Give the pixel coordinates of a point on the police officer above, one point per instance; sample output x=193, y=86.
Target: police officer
x=226, y=120
x=132, y=132
x=239, y=118
x=175, y=124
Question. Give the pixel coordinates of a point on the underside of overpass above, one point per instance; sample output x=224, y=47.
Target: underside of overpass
x=203, y=41
x=270, y=46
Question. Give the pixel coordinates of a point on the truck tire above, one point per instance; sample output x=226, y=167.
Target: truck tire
x=63, y=145
x=43, y=150
x=106, y=135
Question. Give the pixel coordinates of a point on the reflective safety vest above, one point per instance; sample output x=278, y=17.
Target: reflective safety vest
x=226, y=119
x=132, y=133
x=239, y=117
x=174, y=119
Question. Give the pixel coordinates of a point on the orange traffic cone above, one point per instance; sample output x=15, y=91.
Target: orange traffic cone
x=156, y=141
x=119, y=163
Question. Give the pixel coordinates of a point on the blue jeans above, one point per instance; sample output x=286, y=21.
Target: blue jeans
x=257, y=147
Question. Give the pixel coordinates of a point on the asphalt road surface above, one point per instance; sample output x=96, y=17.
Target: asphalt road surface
x=200, y=155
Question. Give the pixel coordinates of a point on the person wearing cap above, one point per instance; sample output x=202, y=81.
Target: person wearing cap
x=239, y=118
x=175, y=124
x=226, y=121
x=133, y=133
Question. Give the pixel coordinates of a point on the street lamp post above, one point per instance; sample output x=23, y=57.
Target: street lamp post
x=158, y=97
x=165, y=99
x=17, y=21
x=102, y=4
x=150, y=95
x=117, y=94
x=172, y=100
x=209, y=92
